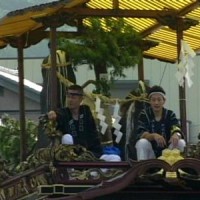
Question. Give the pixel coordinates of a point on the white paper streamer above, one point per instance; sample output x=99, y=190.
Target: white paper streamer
x=186, y=65
x=101, y=110
x=116, y=110
x=100, y=115
x=104, y=127
x=119, y=135
x=116, y=125
x=97, y=104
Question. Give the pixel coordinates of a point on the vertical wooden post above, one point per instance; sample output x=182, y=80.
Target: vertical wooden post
x=53, y=100
x=23, y=134
x=115, y=4
x=182, y=95
x=141, y=70
x=179, y=24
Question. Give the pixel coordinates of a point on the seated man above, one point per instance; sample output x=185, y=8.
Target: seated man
x=157, y=127
x=78, y=125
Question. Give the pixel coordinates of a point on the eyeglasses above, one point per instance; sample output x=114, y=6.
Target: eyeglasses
x=73, y=94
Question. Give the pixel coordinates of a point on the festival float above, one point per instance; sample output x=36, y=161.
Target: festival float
x=71, y=172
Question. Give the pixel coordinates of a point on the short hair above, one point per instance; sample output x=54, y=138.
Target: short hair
x=156, y=89
x=77, y=88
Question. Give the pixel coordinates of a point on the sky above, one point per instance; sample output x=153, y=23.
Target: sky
x=11, y=5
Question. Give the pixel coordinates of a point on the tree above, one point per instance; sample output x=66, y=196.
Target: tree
x=112, y=44
x=10, y=138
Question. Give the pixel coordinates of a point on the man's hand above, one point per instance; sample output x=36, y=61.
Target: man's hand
x=160, y=140
x=174, y=140
x=51, y=115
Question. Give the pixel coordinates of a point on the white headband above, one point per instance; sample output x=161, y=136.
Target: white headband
x=161, y=93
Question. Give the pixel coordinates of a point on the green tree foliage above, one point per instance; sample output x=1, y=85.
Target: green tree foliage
x=113, y=43
x=10, y=138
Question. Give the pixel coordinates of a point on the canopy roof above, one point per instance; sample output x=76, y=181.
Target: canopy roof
x=155, y=20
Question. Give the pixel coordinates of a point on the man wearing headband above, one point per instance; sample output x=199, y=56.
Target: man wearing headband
x=157, y=128
x=76, y=122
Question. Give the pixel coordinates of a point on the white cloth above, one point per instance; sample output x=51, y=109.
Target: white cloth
x=145, y=150
x=67, y=139
x=110, y=157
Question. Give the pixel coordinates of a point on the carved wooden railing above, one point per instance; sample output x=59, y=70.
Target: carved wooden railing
x=24, y=184
x=46, y=182
x=171, y=178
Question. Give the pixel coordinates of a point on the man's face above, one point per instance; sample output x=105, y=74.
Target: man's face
x=74, y=99
x=157, y=101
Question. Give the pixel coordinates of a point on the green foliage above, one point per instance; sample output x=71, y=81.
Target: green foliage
x=10, y=138
x=102, y=87
x=115, y=45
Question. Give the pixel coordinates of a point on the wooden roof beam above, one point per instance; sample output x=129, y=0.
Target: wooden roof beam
x=115, y=4
x=150, y=30
x=172, y=22
x=163, y=41
x=89, y=12
x=189, y=8
x=183, y=12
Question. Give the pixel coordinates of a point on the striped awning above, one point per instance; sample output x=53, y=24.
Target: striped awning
x=155, y=20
